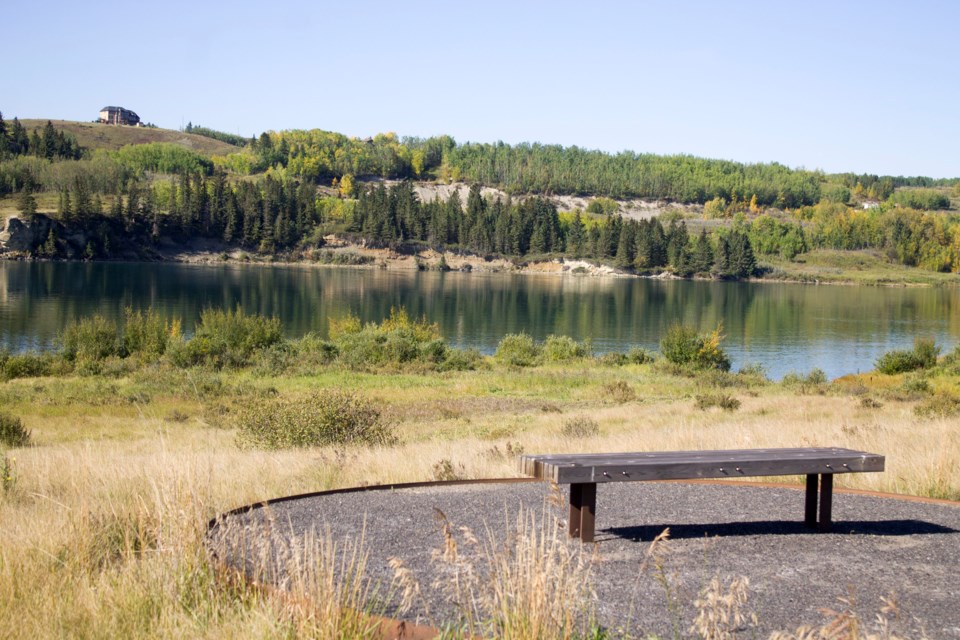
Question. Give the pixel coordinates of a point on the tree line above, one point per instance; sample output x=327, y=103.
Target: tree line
x=49, y=143
x=533, y=227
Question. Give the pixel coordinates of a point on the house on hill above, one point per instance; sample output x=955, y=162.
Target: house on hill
x=119, y=115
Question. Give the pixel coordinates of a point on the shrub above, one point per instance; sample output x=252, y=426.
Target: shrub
x=612, y=359
x=461, y=360
x=445, y=471
x=27, y=365
x=396, y=340
x=923, y=356
x=563, y=349
x=226, y=338
x=580, y=427
x=940, y=405
x=812, y=382
x=637, y=355
x=93, y=338
x=12, y=431
x=619, y=391
x=724, y=401
x=146, y=334
x=682, y=345
x=518, y=350
x=322, y=418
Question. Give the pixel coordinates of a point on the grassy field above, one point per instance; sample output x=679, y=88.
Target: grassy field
x=102, y=517
x=93, y=135
x=829, y=266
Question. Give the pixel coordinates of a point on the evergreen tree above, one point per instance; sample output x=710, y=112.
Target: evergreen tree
x=677, y=244
x=721, y=265
x=81, y=198
x=49, y=146
x=626, y=247
x=19, y=141
x=702, y=259
x=26, y=203
x=576, y=236
x=116, y=207
x=4, y=141
x=742, y=262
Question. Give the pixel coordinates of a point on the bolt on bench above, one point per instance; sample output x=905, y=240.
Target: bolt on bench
x=583, y=471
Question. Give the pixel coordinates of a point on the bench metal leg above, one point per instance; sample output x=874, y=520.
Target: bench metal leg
x=583, y=507
x=810, y=505
x=826, y=501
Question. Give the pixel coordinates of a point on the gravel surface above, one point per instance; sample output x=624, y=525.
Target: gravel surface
x=878, y=547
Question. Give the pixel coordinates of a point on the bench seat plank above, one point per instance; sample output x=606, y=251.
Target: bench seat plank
x=685, y=465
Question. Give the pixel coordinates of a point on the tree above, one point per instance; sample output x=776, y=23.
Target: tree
x=702, y=259
x=26, y=203
x=346, y=186
x=576, y=236
x=4, y=142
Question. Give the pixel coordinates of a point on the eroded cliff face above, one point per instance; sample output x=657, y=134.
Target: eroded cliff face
x=24, y=235
x=40, y=236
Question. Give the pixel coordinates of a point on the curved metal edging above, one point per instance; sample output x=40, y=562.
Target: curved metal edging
x=400, y=630
x=389, y=629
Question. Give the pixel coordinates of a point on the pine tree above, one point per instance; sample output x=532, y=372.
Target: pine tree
x=67, y=212
x=702, y=259
x=26, y=203
x=81, y=198
x=116, y=208
x=4, y=141
x=677, y=244
x=721, y=265
x=576, y=236
x=626, y=247
x=742, y=262
x=49, y=145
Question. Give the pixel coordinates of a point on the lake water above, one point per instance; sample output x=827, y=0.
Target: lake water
x=784, y=327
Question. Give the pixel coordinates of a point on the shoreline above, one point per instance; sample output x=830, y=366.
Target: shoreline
x=431, y=260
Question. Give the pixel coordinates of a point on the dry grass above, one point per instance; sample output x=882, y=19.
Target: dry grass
x=102, y=519
x=103, y=136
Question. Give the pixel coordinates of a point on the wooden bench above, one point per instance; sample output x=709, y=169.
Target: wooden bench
x=583, y=471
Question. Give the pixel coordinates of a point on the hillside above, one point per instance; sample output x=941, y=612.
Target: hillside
x=110, y=137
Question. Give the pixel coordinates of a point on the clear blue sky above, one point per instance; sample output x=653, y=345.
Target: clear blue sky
x=840, y=86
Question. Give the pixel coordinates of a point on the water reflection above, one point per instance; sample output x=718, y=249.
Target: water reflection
x=784, y=327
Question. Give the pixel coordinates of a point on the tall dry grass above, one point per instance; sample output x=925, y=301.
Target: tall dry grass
x=102, y=519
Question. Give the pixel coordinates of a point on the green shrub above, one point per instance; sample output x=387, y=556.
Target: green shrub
x=580, y=427
x=27, y=365
x=93, y=339
x=461, y=360
x=225, y=338
x=927, y=351
x=612, y=359
x=397, y=340
x=146, y=335
x=315, y=350
x=637, y=355
x=815, y=381
x=518, y=350
x=12, y=431
x=322, y=418
x=923, y=356
x=563, y=349
x=682, y=345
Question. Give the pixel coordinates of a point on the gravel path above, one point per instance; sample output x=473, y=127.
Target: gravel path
x=878, y=547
